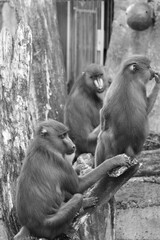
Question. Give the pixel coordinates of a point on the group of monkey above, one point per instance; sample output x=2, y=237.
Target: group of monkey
x=109, y=120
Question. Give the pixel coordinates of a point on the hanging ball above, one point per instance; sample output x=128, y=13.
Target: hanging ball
x=139, y=16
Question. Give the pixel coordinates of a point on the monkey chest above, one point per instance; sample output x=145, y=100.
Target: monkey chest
x=93, y=115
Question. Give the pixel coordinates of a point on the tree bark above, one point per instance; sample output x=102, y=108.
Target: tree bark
x=32, y=87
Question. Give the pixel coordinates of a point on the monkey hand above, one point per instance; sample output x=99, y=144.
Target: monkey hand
x=157, y=77
x=87, y=203
x=121, y=160
x=123, y=163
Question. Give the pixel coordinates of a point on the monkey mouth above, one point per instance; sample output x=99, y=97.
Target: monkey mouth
x=69, y=152
x=99, y=84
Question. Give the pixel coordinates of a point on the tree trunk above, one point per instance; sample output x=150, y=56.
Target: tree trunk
x=32, y=86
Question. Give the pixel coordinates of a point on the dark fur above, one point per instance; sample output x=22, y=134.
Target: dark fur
x=49, y=192
x=124, y=115
x=82, y=109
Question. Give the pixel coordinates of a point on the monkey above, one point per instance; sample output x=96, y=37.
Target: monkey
x=81, y=111
x=124, y=115
x=49, y=191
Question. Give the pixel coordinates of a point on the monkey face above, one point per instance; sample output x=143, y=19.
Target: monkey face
x=96, y=82
x=141, y=72
x=99, y=83
x=55, y=134
x=67, y=144
x=95, y=79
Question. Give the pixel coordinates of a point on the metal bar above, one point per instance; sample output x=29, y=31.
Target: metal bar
x=84, y=10
x=68, y=39
x=102, y=33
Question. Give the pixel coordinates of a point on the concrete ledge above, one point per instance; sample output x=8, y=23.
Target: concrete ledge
x=138, y=210
x=138, y=224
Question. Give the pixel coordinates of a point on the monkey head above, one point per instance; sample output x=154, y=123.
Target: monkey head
x=138, y=69
x=95, y=79
x=55, y=134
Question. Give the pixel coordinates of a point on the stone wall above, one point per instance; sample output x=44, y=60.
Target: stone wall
x=138, y=210
x=125, y=41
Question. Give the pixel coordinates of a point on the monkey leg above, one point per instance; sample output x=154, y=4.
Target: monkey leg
x=104, y=149
x=56, y=224
x=92, y=137
x=22, y=234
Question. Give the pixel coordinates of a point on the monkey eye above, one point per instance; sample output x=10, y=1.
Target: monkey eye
x=43, y=132
x=62, y=136
x=92, y=77
x=100, y=75
x=133, y=67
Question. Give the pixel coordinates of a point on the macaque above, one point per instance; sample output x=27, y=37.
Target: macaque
x=82, y=108
x=124, y=115
x=49, y=191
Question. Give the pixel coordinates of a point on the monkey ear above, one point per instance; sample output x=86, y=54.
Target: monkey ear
x=43, y=131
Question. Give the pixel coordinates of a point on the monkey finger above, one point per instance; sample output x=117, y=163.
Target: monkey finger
x=157, y=77
x=95, y=200
x=89, y=202
x=123, y=159
x=79, y=213
x=126, y=164
x=127, y=161
x=134, y=161
x=131, y=162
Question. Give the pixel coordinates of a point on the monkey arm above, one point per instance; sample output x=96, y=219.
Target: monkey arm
x=99, y=172
x=22, y=234
x=104, y=119
x=64, y=216
x=92, y=137
x=152, y=97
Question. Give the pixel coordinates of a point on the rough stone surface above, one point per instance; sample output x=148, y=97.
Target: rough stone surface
x=138, y=210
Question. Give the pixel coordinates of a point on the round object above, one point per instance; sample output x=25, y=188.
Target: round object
x=139, y=16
